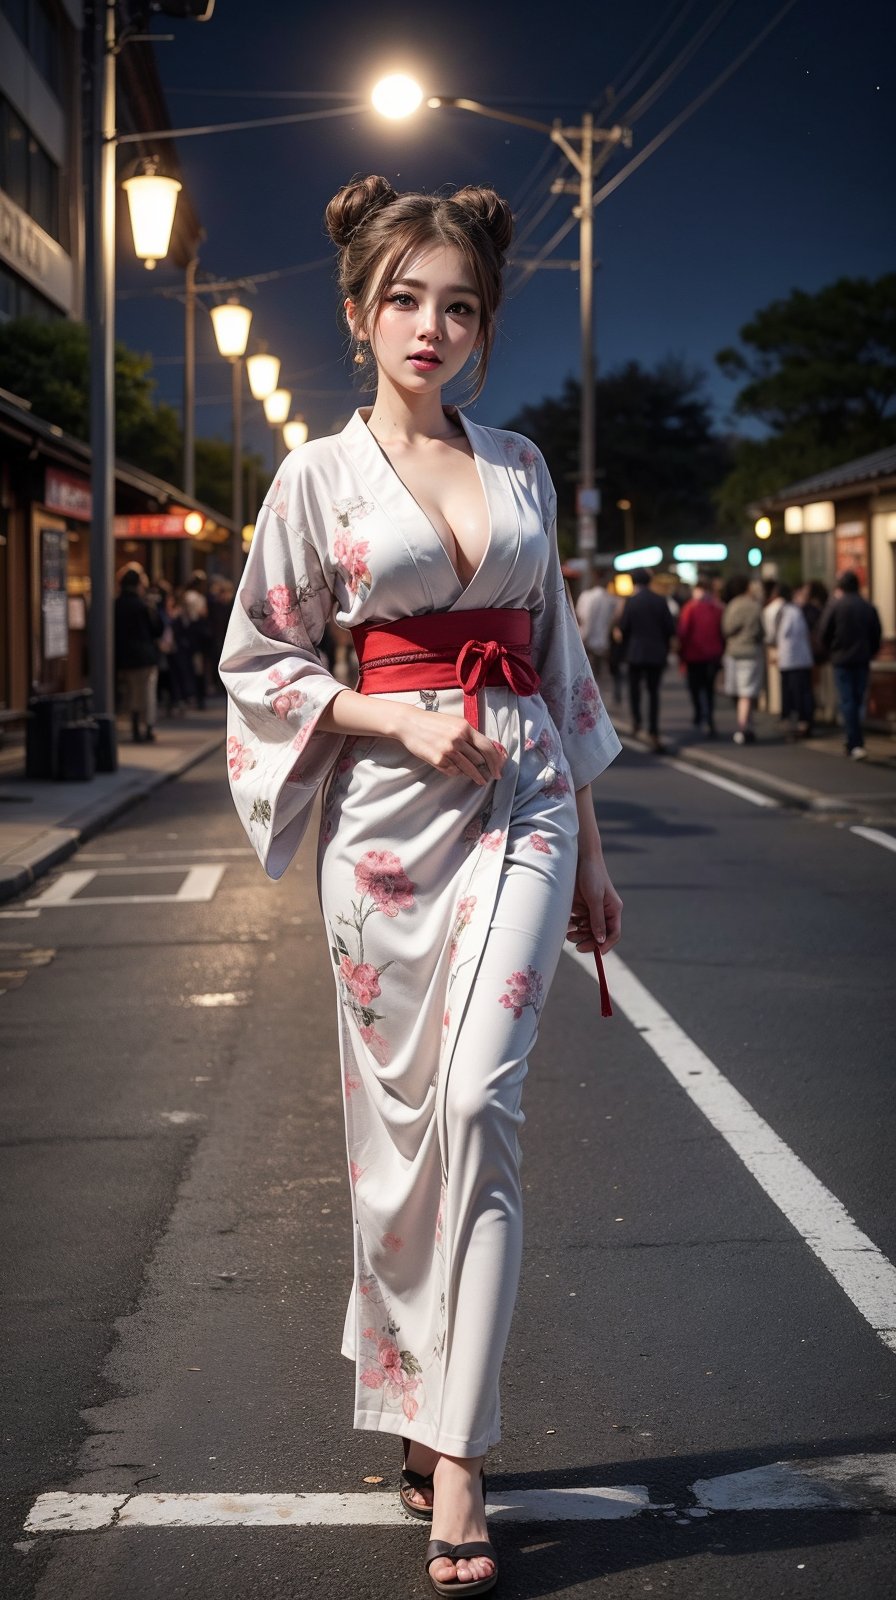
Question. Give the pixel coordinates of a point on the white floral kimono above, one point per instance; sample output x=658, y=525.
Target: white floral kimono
x=445, y=904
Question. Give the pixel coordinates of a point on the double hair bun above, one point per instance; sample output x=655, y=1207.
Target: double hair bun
x=359, y=201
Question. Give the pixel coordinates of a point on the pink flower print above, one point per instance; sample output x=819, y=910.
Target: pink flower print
x=280, y=507
x=393, y=1242
x=376, y=1044
x=380, y=874
x=351, y=555
x=239, y=758
x=586, y=705
x=372, y=1377
x=357, y=1174
x=363, y=980
x=530, y=744
x=462, y=916
x=280, y=600
x=289, y=700
x=440, y=1215
x=527, y=457
x=302, y=737
x=546, y=745
x=539, y=843
x=557, y=784
x=509, y=444
x=493, y=840
x=526, y=989
x=278, y=677
x=351, y=1085
x=368, y=1333
x=408, y=1404
x=446, y=1022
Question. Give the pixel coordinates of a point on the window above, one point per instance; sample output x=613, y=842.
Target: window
x=27, y=173
x=18, y=299
x=37, y=24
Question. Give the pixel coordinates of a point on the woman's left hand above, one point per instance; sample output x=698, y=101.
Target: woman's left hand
x=595, y=921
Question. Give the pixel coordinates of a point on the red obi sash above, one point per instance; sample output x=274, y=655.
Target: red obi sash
x=450, y=650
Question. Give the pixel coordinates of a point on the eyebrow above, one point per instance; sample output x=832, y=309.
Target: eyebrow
x=453, y=288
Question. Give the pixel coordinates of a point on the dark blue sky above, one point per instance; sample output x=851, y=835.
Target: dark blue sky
x=784, y=178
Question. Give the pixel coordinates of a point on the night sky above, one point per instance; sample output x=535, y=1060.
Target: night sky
x=783, y=179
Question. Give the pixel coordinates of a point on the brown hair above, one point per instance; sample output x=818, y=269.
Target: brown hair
x=376, y=229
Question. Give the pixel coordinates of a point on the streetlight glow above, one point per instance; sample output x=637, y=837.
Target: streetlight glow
x=763, y=528
x=151, y=202
x=194, y=522
x=264, y=374
x=650, y=556
x=231, y=324
x=276, y=407
x=295, y=433
x=396, y=96
x=700, y=552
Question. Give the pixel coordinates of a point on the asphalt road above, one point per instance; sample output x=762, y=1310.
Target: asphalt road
x=177, y=1243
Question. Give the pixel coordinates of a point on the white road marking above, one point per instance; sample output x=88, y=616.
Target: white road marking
x=851, y=1483
x=876, y=836
x=199, y=884
x=19, y=916
x=231, y=997
x=165, y=855
x=825, y=1225
x=728, y=784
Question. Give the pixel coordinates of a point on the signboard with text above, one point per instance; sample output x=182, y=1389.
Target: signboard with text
x=53, y=593
x=160, y=526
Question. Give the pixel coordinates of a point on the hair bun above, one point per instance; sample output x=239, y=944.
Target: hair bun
x=356, y=203
x=490, y=210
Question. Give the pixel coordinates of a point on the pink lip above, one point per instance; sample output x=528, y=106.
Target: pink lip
x=429, y=357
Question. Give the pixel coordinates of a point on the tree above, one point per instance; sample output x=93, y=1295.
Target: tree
x=819, y=375
x=656, y=447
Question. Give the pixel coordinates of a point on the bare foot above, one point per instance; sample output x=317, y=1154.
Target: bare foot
x=459, y=1516
x=423, y=1460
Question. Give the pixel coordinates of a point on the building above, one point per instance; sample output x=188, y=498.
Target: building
x=846, y=517
x=45, y=496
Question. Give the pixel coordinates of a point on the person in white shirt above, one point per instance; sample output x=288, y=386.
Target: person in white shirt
x=595, y=611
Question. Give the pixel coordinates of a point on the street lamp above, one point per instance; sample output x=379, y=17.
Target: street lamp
x=276, y=409
x=625, y=506
x=263, y=372
x=231, y=322
x=393, y=97
x=295, y=433
x=151, y=202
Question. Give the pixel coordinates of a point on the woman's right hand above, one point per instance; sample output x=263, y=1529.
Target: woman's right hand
x=449, y=744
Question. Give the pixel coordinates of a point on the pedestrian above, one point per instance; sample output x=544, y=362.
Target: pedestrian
x=456, y=776
x=744, y=635
x=595, y=611
x=850, y=631
x=137, y=630
x=700, y=648
x=195, y=603
x=169, y=691
x=646, y=629
x=793, y=653
x=220, y=605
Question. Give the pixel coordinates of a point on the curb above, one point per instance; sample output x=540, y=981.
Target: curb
x=57, y=844
x=795, y=795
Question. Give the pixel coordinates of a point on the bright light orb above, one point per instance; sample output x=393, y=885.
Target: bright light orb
x=276, y=407
x=396, y=96
x=295, y=433
x=763, y=528
x=754, y=557
x=151, y=202
x=263, y=372
x=194, y=522
x=231, y=323
x=650, y=556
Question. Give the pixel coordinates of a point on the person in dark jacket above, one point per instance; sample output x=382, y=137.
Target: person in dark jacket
x=701, y=646
x=137, y=628
x=850, y=632
x=646, y=628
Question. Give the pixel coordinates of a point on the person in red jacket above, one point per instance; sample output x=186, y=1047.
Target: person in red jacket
x=701, y=647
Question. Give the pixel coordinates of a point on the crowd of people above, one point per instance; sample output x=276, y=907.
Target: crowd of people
x=740, y=628
x=168, y=643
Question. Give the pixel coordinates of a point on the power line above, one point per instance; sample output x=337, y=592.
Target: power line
x=670, y=73
x=526, y=268
x=225, y=285
x=630, y=78
x=689, y=110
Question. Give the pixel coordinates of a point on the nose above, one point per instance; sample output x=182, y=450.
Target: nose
x=428, y=323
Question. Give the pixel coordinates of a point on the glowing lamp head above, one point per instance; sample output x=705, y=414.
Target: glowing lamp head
x=396, y=96
x=194, y=522
x=264, y=374
x=276, y=407
x=763, y=528
x=295, y=433
x=754, y=557
x=231, y=323
x=151, y=202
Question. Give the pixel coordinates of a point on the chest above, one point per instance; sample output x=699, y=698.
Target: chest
x=446, y=486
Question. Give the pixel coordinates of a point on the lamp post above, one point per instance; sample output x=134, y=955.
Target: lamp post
x=628, y=515
x=398, y=96
x=231, y=322
x=276, y=409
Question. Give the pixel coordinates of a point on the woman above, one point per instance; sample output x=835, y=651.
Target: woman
x=457, y=787
x=744, y=635
x=793, y=652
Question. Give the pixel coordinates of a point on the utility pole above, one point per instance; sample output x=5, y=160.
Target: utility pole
x=186, y=554
x=236, y=544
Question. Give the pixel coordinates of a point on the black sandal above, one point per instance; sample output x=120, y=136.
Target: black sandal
x=413, y=1481
x=439, y=1549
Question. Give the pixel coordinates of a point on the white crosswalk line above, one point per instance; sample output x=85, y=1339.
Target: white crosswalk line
x=856, y=1263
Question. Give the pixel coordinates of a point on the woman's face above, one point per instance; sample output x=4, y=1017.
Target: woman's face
x=428, y=322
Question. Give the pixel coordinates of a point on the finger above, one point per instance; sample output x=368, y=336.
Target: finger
x=599, y=924
x=467, y=769
x=488, y=754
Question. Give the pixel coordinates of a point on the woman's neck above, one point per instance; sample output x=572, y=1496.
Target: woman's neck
x=399, y=417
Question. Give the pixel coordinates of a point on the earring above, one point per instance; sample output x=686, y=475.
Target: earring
x=359, y=356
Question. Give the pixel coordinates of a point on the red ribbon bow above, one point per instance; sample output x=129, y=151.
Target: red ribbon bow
x=479, y=663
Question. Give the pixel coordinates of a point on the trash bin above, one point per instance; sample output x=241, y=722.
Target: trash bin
x=77, y=763
x=48, y=714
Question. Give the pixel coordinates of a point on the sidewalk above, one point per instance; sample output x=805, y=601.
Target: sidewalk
x=813, y=774
x=43, y=823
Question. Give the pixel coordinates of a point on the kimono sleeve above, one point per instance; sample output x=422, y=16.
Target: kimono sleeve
x=567, y=682
x=277, y=687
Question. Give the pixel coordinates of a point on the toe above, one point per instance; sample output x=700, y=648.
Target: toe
x=444, y=1571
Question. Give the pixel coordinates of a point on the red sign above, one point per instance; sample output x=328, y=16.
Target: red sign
x=852, y=550
x=68, y=494
x=150, y=527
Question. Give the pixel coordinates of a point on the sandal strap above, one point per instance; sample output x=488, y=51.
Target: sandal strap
x=415, y=1480
x=439, y=1549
